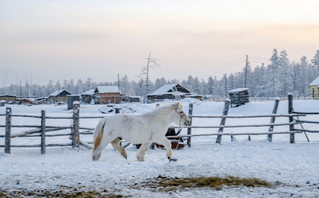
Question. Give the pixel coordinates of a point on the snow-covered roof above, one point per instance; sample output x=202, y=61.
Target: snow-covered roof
x=107, y=89
x=238, y=90
x=315, y=82
x=89, y=92
x=57, y=92
x=165, y=90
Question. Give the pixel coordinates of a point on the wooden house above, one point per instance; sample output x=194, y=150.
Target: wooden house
x=107, y=94
x=169, y=91
x=8, y=98
x=58, y=96
x=314, y=88
x=238, y=96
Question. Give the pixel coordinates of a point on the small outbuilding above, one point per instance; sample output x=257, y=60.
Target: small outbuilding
x=58, y=96
x=314, y=88
x=238, y=96
x=129, y=99
x=8, y=98
x=88, y=96
x=107, y=94
x=169, y=91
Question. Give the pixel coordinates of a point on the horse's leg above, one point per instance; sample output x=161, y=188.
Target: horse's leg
x=167, y=144
x=142, y=151
x=116, y=145
x=99, y=148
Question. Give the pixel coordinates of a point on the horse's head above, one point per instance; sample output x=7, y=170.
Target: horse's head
x=179, y=116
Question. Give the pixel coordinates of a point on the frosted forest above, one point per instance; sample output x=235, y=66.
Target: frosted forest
x=275, y=79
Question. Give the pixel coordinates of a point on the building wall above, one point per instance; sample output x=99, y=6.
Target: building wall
x=86, y=99
x=54, y=99
x=105, y=98
x=8, y=98
x=314, y=91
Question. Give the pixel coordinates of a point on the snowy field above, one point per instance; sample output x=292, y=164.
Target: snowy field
x=295, y=166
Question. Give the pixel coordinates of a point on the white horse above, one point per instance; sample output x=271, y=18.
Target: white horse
x=138, y=129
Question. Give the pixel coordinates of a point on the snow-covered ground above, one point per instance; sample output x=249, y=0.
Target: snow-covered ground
x=296, y=166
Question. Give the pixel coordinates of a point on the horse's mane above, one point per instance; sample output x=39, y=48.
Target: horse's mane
x=160, y=112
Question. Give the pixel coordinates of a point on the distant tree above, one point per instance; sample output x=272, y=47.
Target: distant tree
x=315, y=60
x=210, y=85
x=274, y=69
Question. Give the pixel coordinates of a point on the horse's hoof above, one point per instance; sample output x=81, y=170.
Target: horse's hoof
x=172, y=159
x=95, y=158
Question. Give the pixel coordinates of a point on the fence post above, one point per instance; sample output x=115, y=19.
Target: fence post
x=7, y=147
x=76, y=124
x=189, y=130
x=43, y=149
x=272, y=119
x=291, y=118
x=223, y=121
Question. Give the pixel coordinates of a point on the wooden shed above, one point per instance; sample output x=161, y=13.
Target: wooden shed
x=88, y=96
x=169, y=91
x=314, y=88
x=58, y=96
x=107, y=94
x=8, y=98
x=238, y=96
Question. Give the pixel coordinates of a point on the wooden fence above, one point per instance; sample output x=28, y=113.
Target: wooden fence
x=293, y=119
x=43, y=130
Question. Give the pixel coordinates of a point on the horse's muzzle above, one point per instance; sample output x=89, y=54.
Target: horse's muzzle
x=187, y=122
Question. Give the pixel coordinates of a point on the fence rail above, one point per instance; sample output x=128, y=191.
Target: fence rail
x=43, y=131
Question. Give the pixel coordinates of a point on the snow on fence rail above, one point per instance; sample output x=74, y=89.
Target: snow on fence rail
x=42, y=130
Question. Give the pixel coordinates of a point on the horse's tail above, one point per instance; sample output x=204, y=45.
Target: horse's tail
x=98, y=134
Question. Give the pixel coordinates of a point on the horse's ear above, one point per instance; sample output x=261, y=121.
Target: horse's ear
x=176, y=105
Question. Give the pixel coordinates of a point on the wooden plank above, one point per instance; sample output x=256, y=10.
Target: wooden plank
x=305, y=130
x=7, y=148
x=53, y=145
x=239, y=126
x=272, y=120
x=25, y=134
x=306, y=121
x=26, y=116
x=234, y=134
x=35, y=145
x=50, y=117
x=43, y=150
x=189, y=130
x=39, y=126
x=57, y=135
x=223, y=121
x=91, y=117
x=247, y=116
x=76, y=126
x=34, y=131
x=85, y=145
x=291, y=119
x=307, y=113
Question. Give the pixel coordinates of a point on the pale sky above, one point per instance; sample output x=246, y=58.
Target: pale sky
x=72, y=39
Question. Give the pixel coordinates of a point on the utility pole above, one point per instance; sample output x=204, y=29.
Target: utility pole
x=118, y=81
x=225, y=85
x=246, y=68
